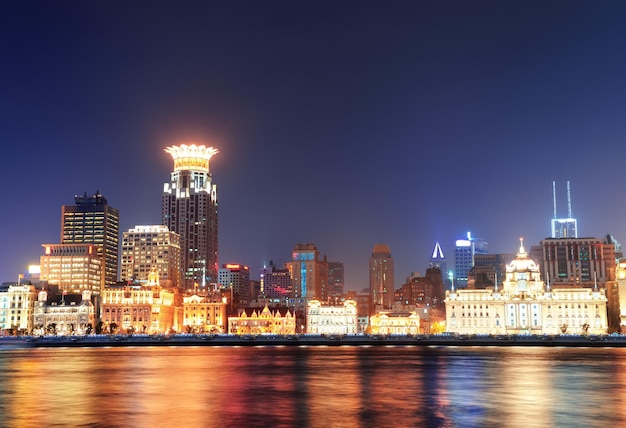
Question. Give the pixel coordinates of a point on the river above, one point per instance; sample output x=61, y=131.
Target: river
x=317, y=386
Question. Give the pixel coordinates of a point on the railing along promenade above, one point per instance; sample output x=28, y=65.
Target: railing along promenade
x=434, y=340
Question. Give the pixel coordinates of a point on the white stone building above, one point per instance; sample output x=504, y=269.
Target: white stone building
x=523, y=304
x=326, y=319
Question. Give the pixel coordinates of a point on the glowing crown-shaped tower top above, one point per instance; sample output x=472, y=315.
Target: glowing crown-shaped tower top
x=191, y=157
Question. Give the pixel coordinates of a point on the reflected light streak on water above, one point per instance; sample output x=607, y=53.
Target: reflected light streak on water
x=313, y=387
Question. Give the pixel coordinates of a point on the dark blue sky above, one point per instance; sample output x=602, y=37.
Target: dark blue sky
x=344, y=124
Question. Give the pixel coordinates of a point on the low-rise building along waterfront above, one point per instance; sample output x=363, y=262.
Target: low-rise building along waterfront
x=331, y=319
x=266, y=321
x=204, y=313
x=17, y=305
x=63, y=314
x=142, y=308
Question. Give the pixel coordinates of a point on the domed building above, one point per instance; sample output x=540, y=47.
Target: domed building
x=525, y=305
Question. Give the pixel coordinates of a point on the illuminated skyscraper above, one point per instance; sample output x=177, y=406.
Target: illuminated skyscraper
x=381, y=277
x=190, y=209
x=309, y=275
x=236, y=277
x=93, y=221
x=563, y=227
x=148, y=248
x=464, y=254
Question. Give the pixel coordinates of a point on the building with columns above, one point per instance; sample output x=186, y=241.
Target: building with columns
x=395, y=322
x=142, y=307
x=524, y=304
x=206, y=313
x=331, y=319
x=64, y=314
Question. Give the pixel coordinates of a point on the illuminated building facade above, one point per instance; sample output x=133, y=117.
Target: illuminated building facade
x=64, y=314
x=524, y=305
x=142, y=308
x=93, y=221
x=464, y=253
x=17, y=305
x=309, y=275
x=72, y=267
x=251, y=321
x=190, y=209
x=381, y=275
x=204, y=314
x=393, y=322
x=236, y=277
x=331, y=319
x=581, y=262
x=145, y=248
x=276, y=283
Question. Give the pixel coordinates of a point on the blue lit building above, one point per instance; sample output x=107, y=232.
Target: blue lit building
x=309, y=275
x=464, y=253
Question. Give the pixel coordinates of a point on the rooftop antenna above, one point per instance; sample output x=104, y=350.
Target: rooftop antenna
x=569, y=202
x=554, y=197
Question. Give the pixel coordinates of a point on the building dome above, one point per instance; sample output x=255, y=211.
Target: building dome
x=522, y=275
x=381, y=249
x=522, y=263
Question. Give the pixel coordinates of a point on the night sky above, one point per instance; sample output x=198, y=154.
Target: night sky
x=343, y=124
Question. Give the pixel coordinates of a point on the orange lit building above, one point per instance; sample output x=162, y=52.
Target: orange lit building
x=393, y=322
x=204, y=314
x=142, y=308
x=250, y=321
x=72, y=267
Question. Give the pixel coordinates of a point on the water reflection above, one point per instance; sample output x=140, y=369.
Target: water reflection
x=312, y=387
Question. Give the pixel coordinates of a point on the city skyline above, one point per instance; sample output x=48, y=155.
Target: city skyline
x=339, y=125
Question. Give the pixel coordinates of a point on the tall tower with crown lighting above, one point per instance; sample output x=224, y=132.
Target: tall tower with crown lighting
x=190, y=209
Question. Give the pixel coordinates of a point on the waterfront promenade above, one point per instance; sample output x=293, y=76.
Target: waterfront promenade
x=313, y=340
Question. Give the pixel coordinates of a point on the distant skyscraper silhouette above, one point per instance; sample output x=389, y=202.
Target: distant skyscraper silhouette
x=563, y=227
x=335, y=278
x=93, y=221
x=190, y=209
x=381, y=277
x=438, y=260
